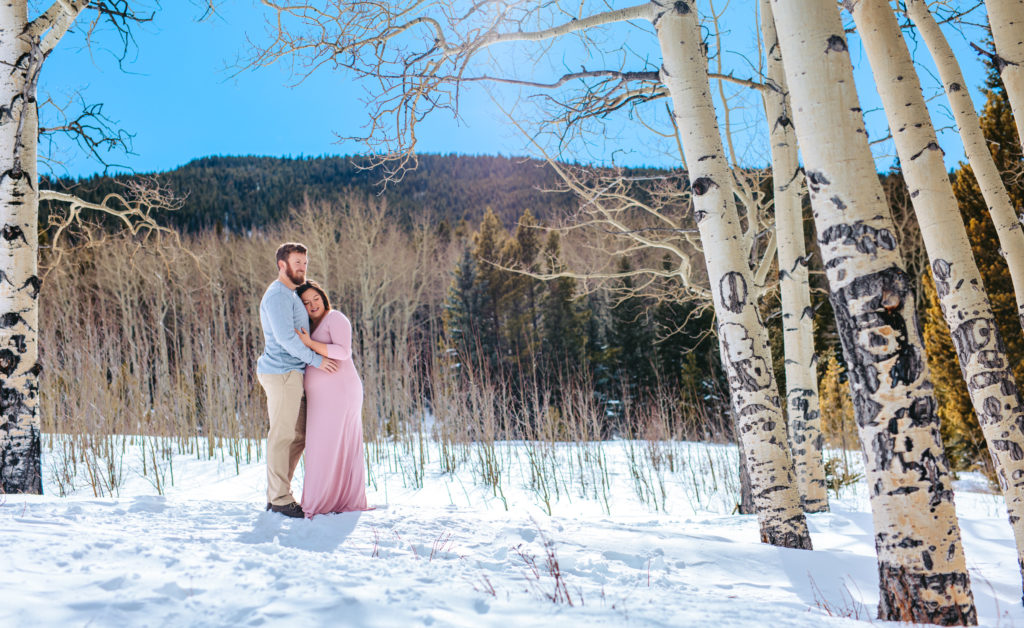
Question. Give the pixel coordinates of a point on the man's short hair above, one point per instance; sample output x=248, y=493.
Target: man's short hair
x=287, y=249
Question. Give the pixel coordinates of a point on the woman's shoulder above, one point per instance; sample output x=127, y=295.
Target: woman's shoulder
x=337, y=317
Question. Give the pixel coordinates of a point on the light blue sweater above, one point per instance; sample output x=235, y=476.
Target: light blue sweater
x=281, y=313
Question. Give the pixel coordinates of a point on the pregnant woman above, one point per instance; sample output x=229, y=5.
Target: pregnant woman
x=335, y=473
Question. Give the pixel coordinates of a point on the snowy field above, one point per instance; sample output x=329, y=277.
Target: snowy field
x=455, y=552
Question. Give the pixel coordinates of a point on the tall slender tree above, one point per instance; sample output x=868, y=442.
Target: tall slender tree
x=1006, y=21
x=1007, y=223
x=958, y=281
x=922, y=571
x=25, y=44
x=802, y=403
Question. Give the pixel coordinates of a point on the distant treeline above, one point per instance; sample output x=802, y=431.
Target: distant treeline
x=239, y=194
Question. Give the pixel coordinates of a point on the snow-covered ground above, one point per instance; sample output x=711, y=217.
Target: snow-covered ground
x=455, y=553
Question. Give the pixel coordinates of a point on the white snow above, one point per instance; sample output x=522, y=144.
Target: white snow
x=450, y=554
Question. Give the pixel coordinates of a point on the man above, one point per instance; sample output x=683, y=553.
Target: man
x=280, y=370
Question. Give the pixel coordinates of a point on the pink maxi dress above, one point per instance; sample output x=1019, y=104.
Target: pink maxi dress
x=335, y=478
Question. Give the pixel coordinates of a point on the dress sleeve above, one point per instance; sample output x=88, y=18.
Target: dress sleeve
x=280, y=320
x=340, y=330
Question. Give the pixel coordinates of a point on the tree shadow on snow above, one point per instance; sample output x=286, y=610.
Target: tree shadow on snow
x=323, y=533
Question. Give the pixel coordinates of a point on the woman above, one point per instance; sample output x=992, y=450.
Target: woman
x=335, y=473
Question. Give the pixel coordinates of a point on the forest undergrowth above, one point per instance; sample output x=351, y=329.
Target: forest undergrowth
x=149, y=353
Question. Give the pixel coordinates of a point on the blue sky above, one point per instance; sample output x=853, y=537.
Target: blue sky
x=181, y=98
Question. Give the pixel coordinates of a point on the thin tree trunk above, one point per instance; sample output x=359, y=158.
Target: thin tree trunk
x=741, y=333
x=1008, y=226
x=922, y=572
x=958, y=282
x=19, y=284
x=1006, y=18
x=802, y=403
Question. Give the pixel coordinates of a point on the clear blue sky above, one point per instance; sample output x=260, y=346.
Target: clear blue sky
x=178, y=94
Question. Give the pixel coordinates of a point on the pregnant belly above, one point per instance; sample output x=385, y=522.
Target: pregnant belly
x=345, y=377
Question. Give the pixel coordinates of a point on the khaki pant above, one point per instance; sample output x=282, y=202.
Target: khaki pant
x=287, y=437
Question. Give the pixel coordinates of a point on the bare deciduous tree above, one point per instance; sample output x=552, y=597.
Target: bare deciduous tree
x=922, y=571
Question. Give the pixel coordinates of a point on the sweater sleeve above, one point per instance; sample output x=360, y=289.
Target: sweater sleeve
x=340, y=330
x=280, y=319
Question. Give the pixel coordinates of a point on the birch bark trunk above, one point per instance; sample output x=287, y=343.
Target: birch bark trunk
x=922, y=572
x=19, y=284
x=802, y=403
x=1008, y=226
x=742, y=336
x=1006, y=18
x=958, y=282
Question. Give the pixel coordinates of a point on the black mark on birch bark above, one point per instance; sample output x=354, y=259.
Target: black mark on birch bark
x=865, y=238
x=733, y=291
x=9, y=361
x=702, y=185
x=836, y=43
x=863, y=310
x=816, y=180
x=12, y=233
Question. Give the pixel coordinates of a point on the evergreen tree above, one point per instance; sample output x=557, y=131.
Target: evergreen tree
x=961, y=433
x=631, y=337
x=565, y=320
x=519, y=300
x=488, y=244
x=464, y=311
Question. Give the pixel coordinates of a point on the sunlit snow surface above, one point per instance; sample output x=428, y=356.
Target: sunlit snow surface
x=450, y=554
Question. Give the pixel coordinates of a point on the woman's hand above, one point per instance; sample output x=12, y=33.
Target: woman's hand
x=304, y=337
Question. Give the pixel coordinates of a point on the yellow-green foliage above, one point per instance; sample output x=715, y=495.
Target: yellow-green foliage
x=961, y=434
x=837, y=421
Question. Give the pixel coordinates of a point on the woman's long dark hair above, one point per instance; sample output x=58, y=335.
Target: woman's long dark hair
x=312, y=285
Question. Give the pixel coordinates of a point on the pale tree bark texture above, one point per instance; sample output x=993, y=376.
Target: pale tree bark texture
x=742, y=336
x=19, y=283
x=803, y=413
x=922, y=571
x=1007, y=224
x=24, y=45
x=1006, y=18
x=958, y=282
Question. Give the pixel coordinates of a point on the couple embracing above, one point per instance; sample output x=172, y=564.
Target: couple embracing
x=314, y=395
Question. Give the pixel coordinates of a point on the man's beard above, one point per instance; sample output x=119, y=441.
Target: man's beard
x=297, y=277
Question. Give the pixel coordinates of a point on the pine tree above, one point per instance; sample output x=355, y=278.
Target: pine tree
x=961, y=434
x=519, y=300
x=491, y=279
x=464, y=312
x=565, y=320
x=631, y=336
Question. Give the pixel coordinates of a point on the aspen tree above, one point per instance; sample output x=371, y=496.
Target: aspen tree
x=922, y=571
x=742, y=336
x=418, y=53
x=1008, y=226
x=958, y=283
x=1006, y=18
x=24, y=45
x=802, y=402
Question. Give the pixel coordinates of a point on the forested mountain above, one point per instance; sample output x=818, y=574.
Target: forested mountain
x=240, y=193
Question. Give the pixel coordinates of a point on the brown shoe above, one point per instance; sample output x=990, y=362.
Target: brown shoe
x=288, y=510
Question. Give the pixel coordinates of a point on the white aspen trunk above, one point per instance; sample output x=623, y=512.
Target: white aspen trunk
x=19, y=283
x=1006, y=18
x=922, y=572
x=802, y=405
x=958, y=282
x=741, y=333
x=1008, y=226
